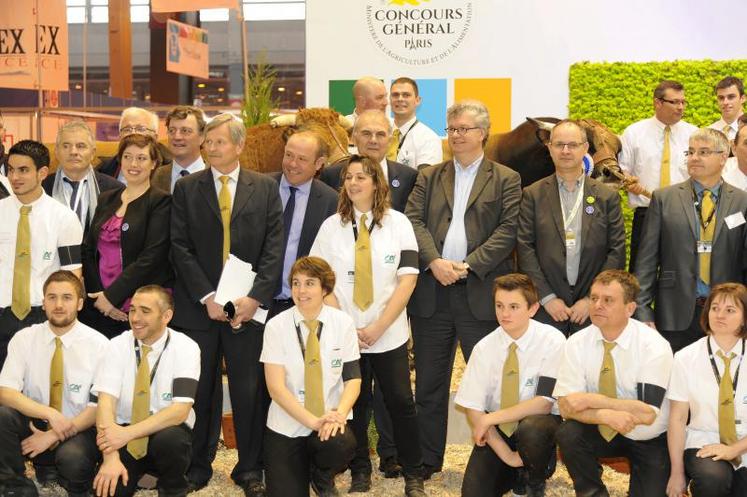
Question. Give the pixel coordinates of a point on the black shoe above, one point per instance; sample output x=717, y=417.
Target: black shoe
x=18, y=487
x=46, y=474
x=390, y=467
x=429, y=470
x=360, y=482
x=414, y=486
x=323, y=483
x=253, y=488
x=194, y=486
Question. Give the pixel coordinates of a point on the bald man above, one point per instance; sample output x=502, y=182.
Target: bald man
x=369, y=94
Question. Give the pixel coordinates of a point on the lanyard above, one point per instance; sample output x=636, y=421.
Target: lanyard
x=705, y=222
x=300, y=340
x=355, y=228
x=567, y=220
x=715, y=369
x=402, y=140
x=158, y=361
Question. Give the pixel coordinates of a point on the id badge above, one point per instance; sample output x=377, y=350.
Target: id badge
x=351, y=277
x=704, y=247
x=570, y=239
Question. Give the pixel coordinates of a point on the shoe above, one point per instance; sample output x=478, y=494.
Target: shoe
x=253, y=488
x=414, y=486
x=390, y=467
x=18, y=487
x=429, y=470
x=46, y=474
x=323, y=483
x=360, y=482
x=194, y=486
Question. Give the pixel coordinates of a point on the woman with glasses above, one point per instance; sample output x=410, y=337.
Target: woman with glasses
x=128, y=243
x=373, y=251
x=709, y=384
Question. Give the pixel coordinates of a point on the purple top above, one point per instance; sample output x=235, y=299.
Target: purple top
x=110, y=254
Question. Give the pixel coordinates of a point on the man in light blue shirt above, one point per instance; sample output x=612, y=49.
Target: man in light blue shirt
x=185, y=126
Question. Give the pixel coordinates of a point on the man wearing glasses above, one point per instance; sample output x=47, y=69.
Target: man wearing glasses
x=464, y=212
x=142, y=122
x=653, y=153
x=186, y=128
x=584, y=218
x=695, y=237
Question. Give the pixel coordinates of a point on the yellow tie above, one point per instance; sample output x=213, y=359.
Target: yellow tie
x=727, y=426
x=224, y=202
x=21, y=300
x=665, y=159
x=140, y=403
x=706, y=235
x=363, y=283
x=608, y=385
x=393, y=148
x=510, y=387
x=312, y=380
x=56, y=377
x=726, y=130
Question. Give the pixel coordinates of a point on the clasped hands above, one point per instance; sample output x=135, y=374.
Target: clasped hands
x=107, y=308
x=448, y=272
x=245, y=309
x=329, y=424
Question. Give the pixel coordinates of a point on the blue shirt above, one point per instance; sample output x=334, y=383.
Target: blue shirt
x=177, y=168
x=702, y=289
x=294, y=235
x=455, y=243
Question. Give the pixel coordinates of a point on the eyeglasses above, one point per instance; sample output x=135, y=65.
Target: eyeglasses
x=135, y=129
x=701, y=153
x=184, y=131
x=572, y=146
x=674, y=102
x=459, y=131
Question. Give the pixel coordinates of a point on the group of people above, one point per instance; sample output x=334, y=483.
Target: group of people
x=353, y=260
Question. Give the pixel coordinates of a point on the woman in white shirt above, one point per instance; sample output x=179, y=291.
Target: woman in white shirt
x=310, y=353
x=373, y=251
x=709, y=450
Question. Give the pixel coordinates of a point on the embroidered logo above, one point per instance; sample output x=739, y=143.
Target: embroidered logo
x=167, y=396
x=47, y=256
x=74, y=388
x=336, y=363
x=388, y=259
x=529, y=383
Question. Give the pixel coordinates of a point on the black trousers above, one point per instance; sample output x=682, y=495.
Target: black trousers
x=567, y=327
x=290, y=460
x=10, y=324
x=682, y=338
x=167, y=459
x=249, y=399
x=488, y=476
x=581, y=445
x=385, y=445
x=636, y=231
x=90, y=316
x=711, y=478
x=392, y=372
x=434, y=339
x=75, y=458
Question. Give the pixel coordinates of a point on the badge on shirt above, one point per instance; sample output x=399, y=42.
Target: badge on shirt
x=74, y=388
x=570, y=239
x=529, y=383
x=351, y=277
x=395, y=183
x=336, y=363
x=734, y=220
x=167, y=396
x=704, y=247
x=47, y=256
x=388, y=259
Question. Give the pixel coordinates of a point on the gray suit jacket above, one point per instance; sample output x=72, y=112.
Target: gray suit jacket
x=490, y=221
x=541, y=237
x=667, y=266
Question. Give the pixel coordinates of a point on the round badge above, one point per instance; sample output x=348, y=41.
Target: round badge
x=590, y=199
x=125, y=227
x=395, y=183
x=589, y=209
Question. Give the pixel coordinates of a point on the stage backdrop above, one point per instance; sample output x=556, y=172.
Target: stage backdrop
x=514, y=55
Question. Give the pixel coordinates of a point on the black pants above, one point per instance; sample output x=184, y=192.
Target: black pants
x=711, y=478
x=566, y=327
x=488, y=476
x=581, y=445
x=249, y=399
x=75, y=458
x=290, y=460
x=10, y=324
x=682, y=338
x=434, y=339
x=636, y=231
x=392, y=372
x=90, y=316
x=385, y=445
x=167, y=459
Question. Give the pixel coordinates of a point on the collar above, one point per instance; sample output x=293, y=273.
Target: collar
x=358, y=214
x=579, y=181
x=67, y=339
x=661, y=125
x=304, y=188
x=409, y=124
x=234, y=175
x=384, y=166
x=737, y=349
x=160, y=343
x=195, y=166
x=470, y=168
x=522, y=343
x=323, y=316
x=623, y=341
x=700, y=188
x=39, y=200
x=65, y=176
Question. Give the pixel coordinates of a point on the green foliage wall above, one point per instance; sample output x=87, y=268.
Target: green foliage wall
x=620, y=93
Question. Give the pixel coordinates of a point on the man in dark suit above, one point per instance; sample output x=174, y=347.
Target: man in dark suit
x=570, y=229
x=371, y=135
x=185, y=125
x=464, y=212
x=76, y=183
x=247, y=204
x=694, y=237
x=307, y=202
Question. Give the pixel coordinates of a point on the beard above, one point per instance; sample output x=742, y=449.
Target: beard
x=62, y=321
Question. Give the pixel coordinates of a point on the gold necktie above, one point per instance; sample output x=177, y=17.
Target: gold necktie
x=21, y=300
x=510, y=387
x=312, y=379
x=224, y=202
x=726, y=130
x=608, y=385
x=140, y=403
x=727, y=425
x=56, y=377
x=665, y=159
x=363, y=283
x=393, y=148
x=706, y=235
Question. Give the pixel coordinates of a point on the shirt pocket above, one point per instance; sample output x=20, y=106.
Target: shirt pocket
x=78, y=392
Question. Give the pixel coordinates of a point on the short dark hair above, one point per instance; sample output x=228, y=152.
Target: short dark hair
x=184, y=111
x=517, y=281
x=314, y=267
x=35, y=150
x=65, y=276
x=667, y=84
x=405, y=80
x=628, y=282
x=164, y=296
x=730, y=81
x=738, y=293
x=141, y=141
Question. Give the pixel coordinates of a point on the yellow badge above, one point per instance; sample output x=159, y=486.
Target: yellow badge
x=590, y=199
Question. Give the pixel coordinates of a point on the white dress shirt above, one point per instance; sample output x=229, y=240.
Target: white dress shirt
x=233, y=179
x=733, y=175
x=419, y=145
x=733, y=127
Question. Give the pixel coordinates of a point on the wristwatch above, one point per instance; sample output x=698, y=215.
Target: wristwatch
x=466, y=265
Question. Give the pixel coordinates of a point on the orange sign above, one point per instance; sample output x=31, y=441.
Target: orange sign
x=33, y=45
x=187, y=49
x=190, y=5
